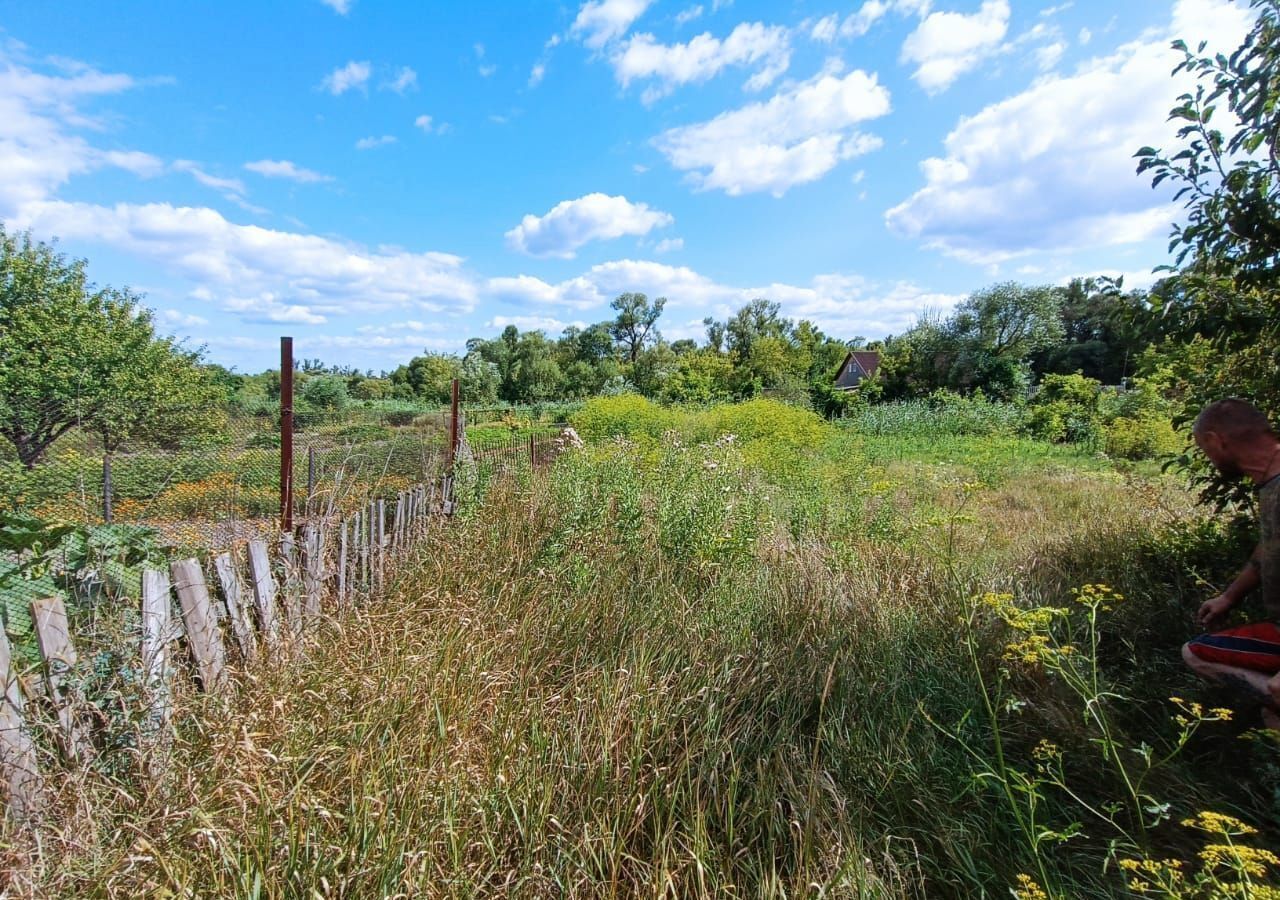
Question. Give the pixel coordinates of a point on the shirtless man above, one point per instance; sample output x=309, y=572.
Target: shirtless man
x=1238, y=440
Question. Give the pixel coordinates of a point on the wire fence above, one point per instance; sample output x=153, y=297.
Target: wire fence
x=85, y=512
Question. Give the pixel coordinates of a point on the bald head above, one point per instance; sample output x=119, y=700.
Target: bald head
x=1234, y=420
x=1237, y=439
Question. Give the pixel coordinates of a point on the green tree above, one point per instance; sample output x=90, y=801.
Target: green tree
x=75, y=354
x=428, y=377
x=633, y=327
x=1225, y=165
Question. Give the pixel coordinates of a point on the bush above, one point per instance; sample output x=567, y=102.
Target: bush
x=1146, y=437
x=780, y=424
x=626, y=415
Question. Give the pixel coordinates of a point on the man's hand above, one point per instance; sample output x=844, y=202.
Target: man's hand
x=1273, y=687
x=1212, y=612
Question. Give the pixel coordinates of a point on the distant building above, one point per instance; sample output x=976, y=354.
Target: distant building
x=859, y=364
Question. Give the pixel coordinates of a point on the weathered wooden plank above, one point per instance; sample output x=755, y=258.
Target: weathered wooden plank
x=292, y=585
x=313, y=573
x=54, y=640
x=156, y=634
x=342, y=562
x=382, y=541
x=397, y=523
x=237, y=609
x=264, y=592
x=18, y=768
x=362, y=546
x=204, y=638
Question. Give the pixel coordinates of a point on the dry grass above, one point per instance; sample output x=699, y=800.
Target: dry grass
x=557, y=700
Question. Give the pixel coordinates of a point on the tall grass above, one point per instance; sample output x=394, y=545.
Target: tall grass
x=687, y=667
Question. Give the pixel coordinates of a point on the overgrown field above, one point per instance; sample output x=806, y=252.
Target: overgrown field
x=738, y=652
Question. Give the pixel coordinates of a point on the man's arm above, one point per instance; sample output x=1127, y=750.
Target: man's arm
x=1211, y=612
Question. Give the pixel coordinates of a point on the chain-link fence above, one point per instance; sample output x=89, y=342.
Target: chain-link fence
x=83, y=514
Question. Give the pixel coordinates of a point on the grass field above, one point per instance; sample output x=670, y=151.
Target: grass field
x=801, y=661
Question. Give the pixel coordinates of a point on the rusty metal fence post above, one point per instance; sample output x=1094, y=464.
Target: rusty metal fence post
x=286, y=435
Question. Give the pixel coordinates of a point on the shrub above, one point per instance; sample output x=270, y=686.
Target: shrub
x=777, y=423
x=1146, y=437
x=626, y=415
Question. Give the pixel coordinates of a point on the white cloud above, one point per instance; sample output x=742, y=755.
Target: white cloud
x=947, y=44
x=572, y=223
x=1051, y=168
x=1085, y=36
x=669, y=245
x=602, y=21
x=404, y=81
x=549, y=324
x=283, y=168
x=536, y=74
x=797, y=136
x=180, y=319
x=426, y=123
x=353, y=76
x=684, y=17
x=38, y=151
x=373, y=142
x=341, y=7
x=225, y=185
x=825, y=29
x=859, y=22
x=765, y=48
x=1049, y=55
x=841, y=304
x=246, y=267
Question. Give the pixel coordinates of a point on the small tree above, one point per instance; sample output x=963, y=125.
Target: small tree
x=75, y=355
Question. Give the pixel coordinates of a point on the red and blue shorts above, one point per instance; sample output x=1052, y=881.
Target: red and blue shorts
x=1255, y=647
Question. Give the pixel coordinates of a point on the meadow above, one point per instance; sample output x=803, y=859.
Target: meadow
x=735, y=651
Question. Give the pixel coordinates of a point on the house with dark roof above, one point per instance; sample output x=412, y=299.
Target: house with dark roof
x=858, y=365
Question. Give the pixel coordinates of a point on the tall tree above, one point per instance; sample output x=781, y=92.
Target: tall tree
x=633, y=327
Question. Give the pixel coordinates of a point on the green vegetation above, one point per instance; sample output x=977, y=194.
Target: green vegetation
x=800, y=660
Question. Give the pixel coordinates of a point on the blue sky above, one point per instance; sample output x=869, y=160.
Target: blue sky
x=377, y=178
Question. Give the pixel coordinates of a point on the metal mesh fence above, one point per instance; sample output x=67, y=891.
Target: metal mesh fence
x=80, y=519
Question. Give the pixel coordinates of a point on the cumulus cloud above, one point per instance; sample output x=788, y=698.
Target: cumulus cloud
x=767, y=49
x=572, y=223
x=373, y=141
x=283, y=168
x=246, y=267
x=39, y=152
x=405, y=80
x=602, y=21
x=549, y=324
x=669, y=245
x=353, y=76
x=947, y=44
x=839, y=303
x=1052, y=168
x=179, y=319
x=685, y=16
x=797, y=136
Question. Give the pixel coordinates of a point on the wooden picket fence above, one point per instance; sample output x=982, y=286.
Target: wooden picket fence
x=260, y=604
